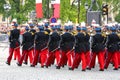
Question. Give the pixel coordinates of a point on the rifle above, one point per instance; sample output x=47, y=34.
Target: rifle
x=73, y=46
x=47, y=44
x=58, y=45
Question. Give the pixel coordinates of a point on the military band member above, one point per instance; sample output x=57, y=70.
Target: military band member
x=80, y=49
x=113, y=48
x=14, y=44
x=66, y=45
x=32, y=31
x=98, y=49
x=53, y=47
x=41, y=47
x=26, y=49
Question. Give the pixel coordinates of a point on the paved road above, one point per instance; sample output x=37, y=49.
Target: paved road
x=14, y=72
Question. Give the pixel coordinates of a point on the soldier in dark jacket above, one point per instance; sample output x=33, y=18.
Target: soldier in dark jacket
x=98, y=49
x=14, y=43
x=53, y=46
x=66, y=45
x=32, y=31
x=113, y=48
x=87, y=46
x=27, y=44
x=41, y=47
x=80, y=49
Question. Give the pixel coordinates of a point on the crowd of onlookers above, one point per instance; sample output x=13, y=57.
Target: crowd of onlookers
x=4, y=28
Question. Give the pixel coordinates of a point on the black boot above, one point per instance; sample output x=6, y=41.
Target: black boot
x=71, y=69
x=7, y=63
x=101, y=70
x=25, y=63
x=115, y=69
x=19, y=64
x=32, y=65
x=57, y=67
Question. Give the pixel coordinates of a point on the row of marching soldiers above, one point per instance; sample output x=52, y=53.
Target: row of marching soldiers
x=67, y=48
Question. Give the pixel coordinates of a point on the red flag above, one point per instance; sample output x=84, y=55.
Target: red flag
x=56, y=7
x=39, y=12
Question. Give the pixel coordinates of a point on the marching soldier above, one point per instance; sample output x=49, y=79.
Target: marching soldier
x=66, y=45
x=53, y=47
x=26, y=49
x=87, y=46
x=32, y=31
x=98, y=49
x=113, y=48
x=80, y=49
x=41, y=47
x=14, y=43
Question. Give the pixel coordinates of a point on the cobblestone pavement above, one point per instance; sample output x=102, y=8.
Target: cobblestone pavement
x=14, y=72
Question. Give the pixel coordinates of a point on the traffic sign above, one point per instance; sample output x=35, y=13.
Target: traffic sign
x=53, y=20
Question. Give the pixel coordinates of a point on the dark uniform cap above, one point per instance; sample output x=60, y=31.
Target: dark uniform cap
x=78, y=28
x=107, y=27
x=66, y=28
x=26, y=28
x=40, y=27
x=84, y=28
x=58, y=26
x=113, y=29
x=98, y=29
x=16, y=25
x=46, y=24
x=71, y=27
x=31, y=25
x=53, y=27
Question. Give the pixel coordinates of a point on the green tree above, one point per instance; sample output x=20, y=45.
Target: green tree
x=18, y=10
x=2, y=2
x=117, y=18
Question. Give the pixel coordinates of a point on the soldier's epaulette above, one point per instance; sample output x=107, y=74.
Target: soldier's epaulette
x=88, y=33
x=74, y=32
x=8, y=33
x=84, y=33
x=92, y=34
x=103, y=34
x=118, y=34
x=46, y=32
x=32, y=33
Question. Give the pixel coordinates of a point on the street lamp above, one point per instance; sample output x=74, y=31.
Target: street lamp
x=7, y=7
x=86, y=7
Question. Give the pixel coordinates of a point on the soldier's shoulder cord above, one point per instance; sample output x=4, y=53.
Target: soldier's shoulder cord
x=118, y=34
x=104, y=35
x=75, y=32
x=46, y=32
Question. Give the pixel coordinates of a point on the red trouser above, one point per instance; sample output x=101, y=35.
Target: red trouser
x=30, y=55
x=100, y=59
x=114, y=57
x=70, y=57
x=15, y=54
x=51, y=58
x=24, y=54
x=88, y=58
x=119, y=58
x=78, y=58
x=44, y=56
x=63, y=59
x=36, y=56
x=11, y=50
x=57, y=56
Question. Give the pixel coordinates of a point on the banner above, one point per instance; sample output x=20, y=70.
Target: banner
x=39, y=12
x=56, y=7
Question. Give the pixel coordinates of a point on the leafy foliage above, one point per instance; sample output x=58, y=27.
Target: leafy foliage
x=117, y=18
x=67, y=11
